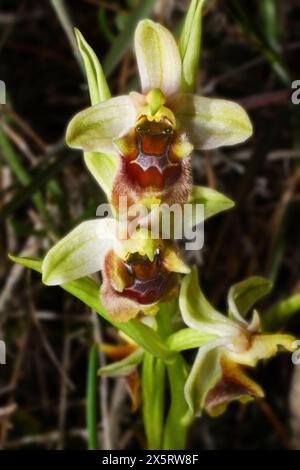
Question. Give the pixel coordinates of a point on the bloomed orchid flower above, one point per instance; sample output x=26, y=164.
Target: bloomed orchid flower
x=217, y=376
x=137, y=272
x=154, y=132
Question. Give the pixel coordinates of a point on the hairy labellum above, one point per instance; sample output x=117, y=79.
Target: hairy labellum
x=154, y=161
x=136, y=283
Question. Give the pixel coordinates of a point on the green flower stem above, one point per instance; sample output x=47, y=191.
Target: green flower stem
x=153, y=395
x=91, y=408
x=179, y=418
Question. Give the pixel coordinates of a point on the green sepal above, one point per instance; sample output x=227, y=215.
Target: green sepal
x=214, y=202
x=98, y=87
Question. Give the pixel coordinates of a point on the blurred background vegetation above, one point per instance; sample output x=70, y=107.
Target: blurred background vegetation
x=250, y=54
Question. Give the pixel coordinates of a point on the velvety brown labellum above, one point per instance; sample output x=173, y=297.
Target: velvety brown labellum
x=145, y=282
x=129, y=286
x=152, y=163
x=150, y=166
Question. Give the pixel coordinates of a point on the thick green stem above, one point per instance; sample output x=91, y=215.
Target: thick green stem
x=153, y=388
x=179, y=418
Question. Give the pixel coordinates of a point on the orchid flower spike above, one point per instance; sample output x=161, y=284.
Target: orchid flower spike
x=155, y=131
x=217, y=376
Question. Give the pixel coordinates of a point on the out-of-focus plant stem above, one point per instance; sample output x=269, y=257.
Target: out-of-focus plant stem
x=91, y=406
x=260, y=41
x=179, y=419
x=67, y=25
x=15, y=163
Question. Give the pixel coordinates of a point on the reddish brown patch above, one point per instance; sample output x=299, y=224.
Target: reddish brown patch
x=178, y=191
x=145, y=282
x=149, y=281
x=233, y=385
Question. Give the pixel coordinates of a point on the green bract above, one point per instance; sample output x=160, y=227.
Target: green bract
x=190, y=45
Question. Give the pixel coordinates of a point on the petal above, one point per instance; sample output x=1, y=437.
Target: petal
x=95, y=128
x=203, y=376
x=173, y=262
x=79, y=253
x=263, y=347
x=197, y=312
x=211, y=123
x=233, y=385
x=243, y=296
x=158, y=58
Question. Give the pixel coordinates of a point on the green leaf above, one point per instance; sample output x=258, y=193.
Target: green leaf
x=87, y=290
x=280, y=313
x=153, y=388
x=91, y=407
x=243, y=295
x=98, y=87
x=190, y=45
x=124, y=367
x=198, y=313
x=188, y=338
x=213, y=201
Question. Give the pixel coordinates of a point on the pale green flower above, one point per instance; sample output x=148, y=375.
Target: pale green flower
x=217, y=376
x=95, y=245
x=208, y=123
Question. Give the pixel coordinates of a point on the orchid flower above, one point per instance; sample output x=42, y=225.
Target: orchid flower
x=137, y=272
x=154, y=132
x=217, y=376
